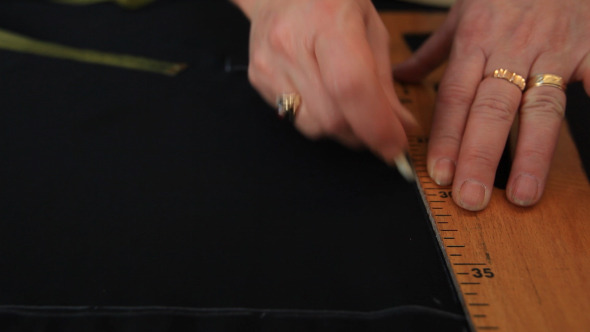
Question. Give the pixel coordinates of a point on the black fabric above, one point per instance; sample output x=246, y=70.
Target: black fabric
x=406, y=318
x=132, y=201
x=578, y=118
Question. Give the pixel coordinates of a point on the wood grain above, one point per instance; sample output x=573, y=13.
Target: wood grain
x=516, y=269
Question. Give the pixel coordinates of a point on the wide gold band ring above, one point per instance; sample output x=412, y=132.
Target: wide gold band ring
x=511, y=77
x=547, y=80
x=287, y=105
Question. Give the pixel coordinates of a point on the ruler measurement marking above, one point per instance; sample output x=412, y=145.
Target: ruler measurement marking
x=440, y=207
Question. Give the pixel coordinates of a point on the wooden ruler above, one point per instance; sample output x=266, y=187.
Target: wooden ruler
x=515, y=269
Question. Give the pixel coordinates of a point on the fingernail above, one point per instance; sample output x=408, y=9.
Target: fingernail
x=404, y=168
x=525, y=190
x=472, y=195
x=443, y=171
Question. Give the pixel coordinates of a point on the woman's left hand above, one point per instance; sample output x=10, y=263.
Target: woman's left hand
x=475, y=111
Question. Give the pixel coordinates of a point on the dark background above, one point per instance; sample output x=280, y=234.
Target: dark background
x=135, y=201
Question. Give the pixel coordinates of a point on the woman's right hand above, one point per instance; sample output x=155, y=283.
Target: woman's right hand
x=335, y=55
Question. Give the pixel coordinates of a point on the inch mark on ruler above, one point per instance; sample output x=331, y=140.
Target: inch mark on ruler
x=471, y=272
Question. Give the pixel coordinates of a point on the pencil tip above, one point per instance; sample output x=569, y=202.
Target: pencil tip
x=404, y=168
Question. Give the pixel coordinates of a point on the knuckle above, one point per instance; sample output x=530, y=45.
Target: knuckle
x=336, y=10
x=448, y=139
x=472, y=28
x=312, y=133
x=345, y=84
x=253, y=76
x=259, y=68
x=327, y=8
x=259, y=63
x=494, y=108
x=454, y=95
x=467, y=36
x=535, y=155
x=546, y=105
x=281, y=38
x=481, y=157
x=334, y=125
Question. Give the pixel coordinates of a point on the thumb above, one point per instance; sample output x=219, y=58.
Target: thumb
x=431, y=54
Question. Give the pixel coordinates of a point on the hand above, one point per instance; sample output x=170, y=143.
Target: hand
x=474, y=112
x=335, y=54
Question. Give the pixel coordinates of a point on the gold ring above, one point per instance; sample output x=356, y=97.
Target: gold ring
x=547, y=80
x=511, y=77
x=287, y=105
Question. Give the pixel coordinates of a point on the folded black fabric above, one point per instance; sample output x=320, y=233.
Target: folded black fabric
x=401, y=318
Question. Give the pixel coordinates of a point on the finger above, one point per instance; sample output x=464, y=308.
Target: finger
x=431, y=54
x=319, y=116
x=267, y=77
x=347, y=68
x=541, y=115
x=456, y=92
x=273, y=73
x=486, y=132
x=285, y=63
x=280, y=62
x=378, y=38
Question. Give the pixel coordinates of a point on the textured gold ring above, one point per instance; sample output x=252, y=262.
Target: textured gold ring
x=547, y=80
x=287, y=105
x=511, y=77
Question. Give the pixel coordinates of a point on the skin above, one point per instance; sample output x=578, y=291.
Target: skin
x=334, y=53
